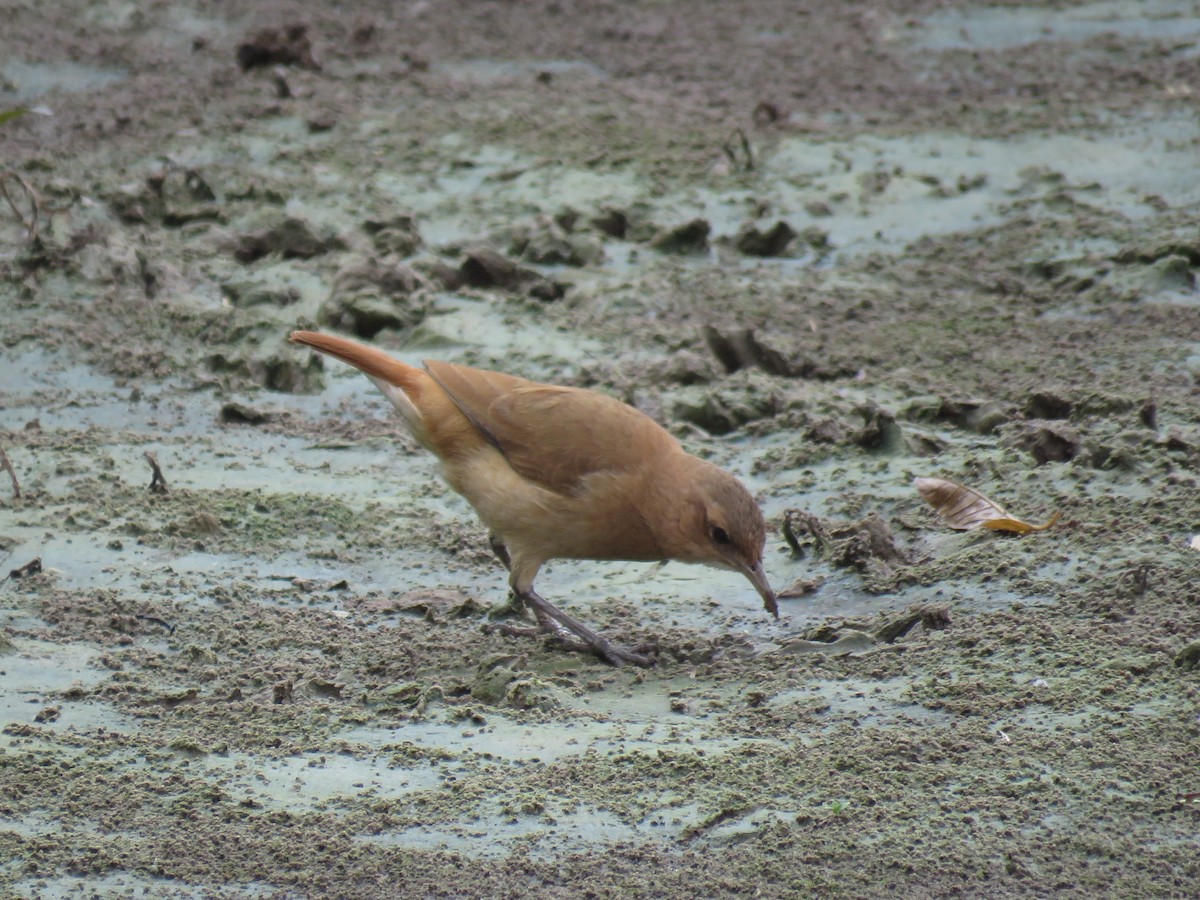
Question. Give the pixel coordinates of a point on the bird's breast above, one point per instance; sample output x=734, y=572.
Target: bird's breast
x=599, y=519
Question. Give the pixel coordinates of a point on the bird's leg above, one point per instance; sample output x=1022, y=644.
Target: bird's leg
x=515, y=605
x=499, y=549
x=554, y=620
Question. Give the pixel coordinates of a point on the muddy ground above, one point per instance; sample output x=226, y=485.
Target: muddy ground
x=271, y=678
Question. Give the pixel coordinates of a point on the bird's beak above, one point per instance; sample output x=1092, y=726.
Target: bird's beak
x=758, y=578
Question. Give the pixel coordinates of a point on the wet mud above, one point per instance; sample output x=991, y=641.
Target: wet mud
x=833, y=249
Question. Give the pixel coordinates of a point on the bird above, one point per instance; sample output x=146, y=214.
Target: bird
x=557, y=472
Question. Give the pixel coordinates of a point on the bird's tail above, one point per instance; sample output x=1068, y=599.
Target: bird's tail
x=372, y=362
x=401, y=383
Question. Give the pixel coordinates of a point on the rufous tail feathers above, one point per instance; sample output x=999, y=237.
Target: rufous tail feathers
x=372, y=362
x=401, y=383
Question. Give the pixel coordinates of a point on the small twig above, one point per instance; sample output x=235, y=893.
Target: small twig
x=6, y=464
x=158, y=483
x=35, y=203
x=798, y=524
x=156, y=621
x=746, y=164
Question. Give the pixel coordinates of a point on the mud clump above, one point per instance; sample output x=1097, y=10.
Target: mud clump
x=554, y=242
x=1051, y=443
x=291, y=238
x=396, y=235
x=880, y=430
x=486, y=268
x=741, y=348
x=371, y=297
x=866, y=546
x=289, y=46
x=1048, y=405
x=977, y=415
x=236, y=413
x=259, y=291
x=724, y=409
x=774, y=241
x=688, y=239
x=274, y=370
x=174, y=197
x=1188, y=658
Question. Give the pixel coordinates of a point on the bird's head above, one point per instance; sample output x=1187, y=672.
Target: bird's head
x=722, y=526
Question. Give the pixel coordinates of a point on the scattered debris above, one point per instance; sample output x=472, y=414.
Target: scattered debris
x=857, y=637
x=29, y=221
x=803, y=530
x=431, y=605
x=158, y=483
x=866, y=545
x=6, y=464
x=289, y=371
x=931, y=618
x=849, y=642
x=1148, y=413
x=33, y=567
x=738, y=151
x=321, y=123
x=801, y=587
x=174, y=196
x=964, y=508
x=726, y=409
x=155, y=620
x=742, y=349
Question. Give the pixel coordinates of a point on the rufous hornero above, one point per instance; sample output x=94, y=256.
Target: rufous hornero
x=566, y=473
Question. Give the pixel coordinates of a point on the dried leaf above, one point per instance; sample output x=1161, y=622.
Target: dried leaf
x=965, y=508
x=1019, y=526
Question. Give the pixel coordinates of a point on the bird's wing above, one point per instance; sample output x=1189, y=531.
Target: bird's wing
x=553, y=436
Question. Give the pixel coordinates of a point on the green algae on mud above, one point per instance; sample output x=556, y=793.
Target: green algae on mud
x=280, y=664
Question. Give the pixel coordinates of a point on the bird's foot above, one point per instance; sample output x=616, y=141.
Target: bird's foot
x=574, y=635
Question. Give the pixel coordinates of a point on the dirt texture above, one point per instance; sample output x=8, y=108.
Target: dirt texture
x=833, y=247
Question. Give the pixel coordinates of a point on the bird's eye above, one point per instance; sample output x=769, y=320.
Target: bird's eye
x=719, y=535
